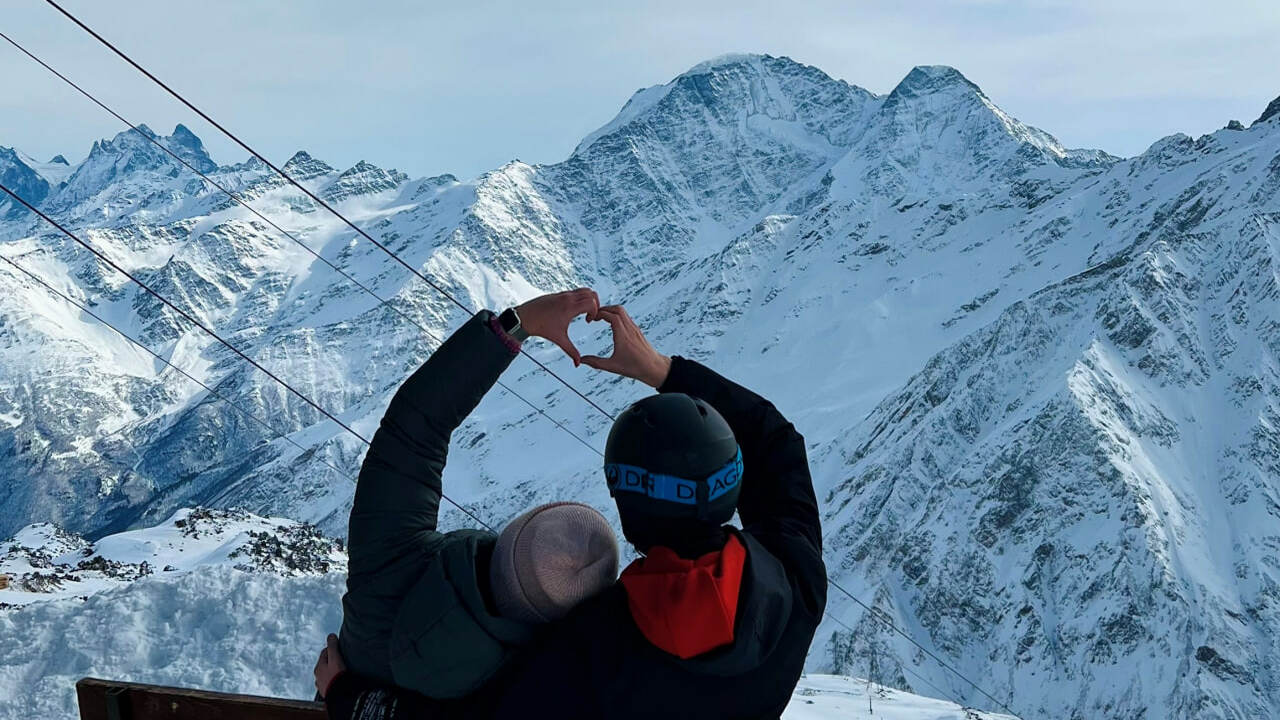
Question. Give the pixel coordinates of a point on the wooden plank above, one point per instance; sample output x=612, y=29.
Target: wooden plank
x=156, y=702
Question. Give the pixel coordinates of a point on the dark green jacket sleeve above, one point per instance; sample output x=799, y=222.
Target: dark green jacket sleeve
x=397, y=498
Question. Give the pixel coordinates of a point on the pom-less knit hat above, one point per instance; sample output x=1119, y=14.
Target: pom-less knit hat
x=550, y=559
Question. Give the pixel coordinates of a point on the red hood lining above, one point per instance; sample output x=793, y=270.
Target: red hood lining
x=686, y=607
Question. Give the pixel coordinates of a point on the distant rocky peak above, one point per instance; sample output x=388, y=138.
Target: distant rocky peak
x=187, y=146
x=932, y=79
x=183, y=135
x=304, y=167
x=938, y=108
x=1272, y=111
x=22, y=180
x=360, y=168
x=58, y=160
x=134, y=149
x=363, y=178
x=130, y=154
x=727, y=90
x=726, y=61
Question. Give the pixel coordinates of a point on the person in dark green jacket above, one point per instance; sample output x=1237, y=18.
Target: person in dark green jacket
x=443, y=613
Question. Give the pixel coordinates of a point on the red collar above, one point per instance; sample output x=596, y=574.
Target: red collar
x=686, y=607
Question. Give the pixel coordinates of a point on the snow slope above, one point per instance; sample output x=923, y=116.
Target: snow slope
x=44, y=562
x=1040, y=386
x=216, y=623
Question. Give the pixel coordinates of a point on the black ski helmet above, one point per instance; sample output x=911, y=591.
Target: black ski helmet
x=672, y=457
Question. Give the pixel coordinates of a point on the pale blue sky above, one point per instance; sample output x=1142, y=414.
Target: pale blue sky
x=463, y=87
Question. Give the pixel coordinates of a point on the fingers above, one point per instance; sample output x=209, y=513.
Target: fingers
x=617, y=312
x=586, y=302
x=599, y=363
x=567, y=346
x=610, y=314
x=335, y=654
x=321, y=664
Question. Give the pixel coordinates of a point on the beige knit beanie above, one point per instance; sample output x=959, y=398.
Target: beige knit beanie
x=550, y=559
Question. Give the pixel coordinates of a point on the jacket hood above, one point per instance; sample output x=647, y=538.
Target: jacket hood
x=446, y=642
x=681, y=606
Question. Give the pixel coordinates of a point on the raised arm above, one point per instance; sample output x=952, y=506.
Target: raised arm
x=398, y=494
x=777, y=491
x=397, y=497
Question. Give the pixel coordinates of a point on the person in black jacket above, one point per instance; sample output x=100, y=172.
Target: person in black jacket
x=442, y=613
x=714, y=621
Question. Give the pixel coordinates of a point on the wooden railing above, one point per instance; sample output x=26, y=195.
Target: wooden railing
x=110, y=700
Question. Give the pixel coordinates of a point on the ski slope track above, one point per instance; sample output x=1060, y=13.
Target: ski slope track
x=1040, y=385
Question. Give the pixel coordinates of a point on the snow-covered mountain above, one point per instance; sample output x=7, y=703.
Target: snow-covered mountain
x=1040, y=385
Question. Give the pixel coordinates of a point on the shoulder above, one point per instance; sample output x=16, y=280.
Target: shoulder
x=595, y=631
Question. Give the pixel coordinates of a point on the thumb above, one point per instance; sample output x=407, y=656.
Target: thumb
x=332, y=642
x=596, y=362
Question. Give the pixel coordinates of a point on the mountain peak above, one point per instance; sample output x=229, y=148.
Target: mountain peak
x=22, y=179
x=729, y=88
x=183, y=135
x=360, y=167
x=302, y=166
x=929, y=79
x=726, y=60
x=363, y=178
x=187, y=146
x=58, y=160
x=936, y=112
x=1272, y=110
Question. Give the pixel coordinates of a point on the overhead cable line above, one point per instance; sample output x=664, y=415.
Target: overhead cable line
x=211, y=333
x=941, y=693
x=234, y=138
x=235, y=197
x=893, y=626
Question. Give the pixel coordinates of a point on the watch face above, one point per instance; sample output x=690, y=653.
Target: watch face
x=510, y=322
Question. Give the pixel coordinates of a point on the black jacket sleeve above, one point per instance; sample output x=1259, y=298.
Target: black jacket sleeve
x=397, y=497
x=777, y=503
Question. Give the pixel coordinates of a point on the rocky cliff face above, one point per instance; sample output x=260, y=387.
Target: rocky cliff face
x=1039, y=385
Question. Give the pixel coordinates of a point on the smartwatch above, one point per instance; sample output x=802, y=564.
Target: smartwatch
x=510, y=323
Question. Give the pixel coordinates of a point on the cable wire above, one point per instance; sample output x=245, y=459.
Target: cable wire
x=229, y=193
x=212, y=334
x=893, y=626
x=234, y=138
x=941, y=693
